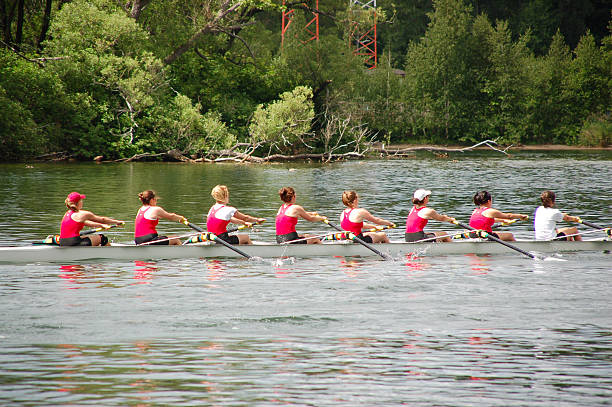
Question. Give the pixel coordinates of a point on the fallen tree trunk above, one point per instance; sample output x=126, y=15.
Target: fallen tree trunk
x=171, y=155
x=402, y=151
x=226, y=155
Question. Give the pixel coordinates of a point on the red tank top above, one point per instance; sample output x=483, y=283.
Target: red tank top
x=285, y=224
x=215, y=225
x=414, y=223
x=478, y=221
x=348, y=225
x=142, y=225
x=70, y=227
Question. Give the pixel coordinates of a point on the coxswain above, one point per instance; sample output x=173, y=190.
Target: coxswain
x=76, y=218
x=484, y=216
x=147, y=219
x=418, y=217
x=546, y=218
x=287, y=217
x=221, y=214
x=352, y=220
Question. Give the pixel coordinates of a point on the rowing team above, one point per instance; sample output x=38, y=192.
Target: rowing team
x=353, y=219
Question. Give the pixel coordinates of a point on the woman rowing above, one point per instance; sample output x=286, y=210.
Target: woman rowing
x=287, y=217
x=147, y=219
x=352, y=220
x=418, y=217
x=484, y=216
x=221, y=214
x=546, y=218
x=76, y=218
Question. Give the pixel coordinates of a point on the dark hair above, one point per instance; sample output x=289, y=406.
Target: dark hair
x=415, y=201
x=146, y=196
x=348, y=197
x=286, y=194
x=482, y=197
x=548, y=198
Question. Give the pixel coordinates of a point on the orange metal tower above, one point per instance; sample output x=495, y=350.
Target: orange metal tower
x=362, y=33
x=310, y=31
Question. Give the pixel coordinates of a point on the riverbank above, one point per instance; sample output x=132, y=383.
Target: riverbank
x=539, y=147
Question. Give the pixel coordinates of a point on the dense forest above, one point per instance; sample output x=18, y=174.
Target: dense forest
x=209, y=79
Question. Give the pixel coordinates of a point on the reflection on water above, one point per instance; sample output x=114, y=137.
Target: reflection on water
x=418, y=330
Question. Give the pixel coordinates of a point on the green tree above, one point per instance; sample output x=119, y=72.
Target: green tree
x=284, y=125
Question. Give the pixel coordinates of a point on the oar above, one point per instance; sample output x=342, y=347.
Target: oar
x=589, y=224
x=505, y=223
x=358, y=240
x=493, y=238
x=594, y=226
x=96, y=230
x=216, y=239
x=241, y=227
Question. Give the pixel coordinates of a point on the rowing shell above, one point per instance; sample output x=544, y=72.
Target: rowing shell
x=34, y=254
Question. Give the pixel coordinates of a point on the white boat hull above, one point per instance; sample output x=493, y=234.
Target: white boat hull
x=42, y=253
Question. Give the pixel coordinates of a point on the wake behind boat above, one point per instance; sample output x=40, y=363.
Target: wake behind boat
x=56, y=254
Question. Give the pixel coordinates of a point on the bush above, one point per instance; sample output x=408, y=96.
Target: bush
x=597, y=131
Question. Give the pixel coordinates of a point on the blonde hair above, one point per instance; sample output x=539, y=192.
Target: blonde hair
x=348, y=197
x=146, y=196
x=220, y=193
x=71, y=205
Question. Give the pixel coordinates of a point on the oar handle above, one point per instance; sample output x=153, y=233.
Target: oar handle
x=493, y=238
x=216, y=239
x=381, y=228
x=506, y=223
x=245, y=226
x=357, y=239
x=96, y=230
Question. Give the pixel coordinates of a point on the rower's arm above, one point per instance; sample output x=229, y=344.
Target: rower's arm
x=379, y=221
x=432, y=214
x=494, y=213
x=309, y=216
x=242, y=218
x=101, y=220
x=569, y=218
x=161, y=213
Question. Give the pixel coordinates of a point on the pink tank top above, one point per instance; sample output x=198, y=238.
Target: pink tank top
x=414, y=223
x=142, y=225
x=478, y=221
x=285, y=224
x=70, y=227
x=348, y=225
x=215, y=225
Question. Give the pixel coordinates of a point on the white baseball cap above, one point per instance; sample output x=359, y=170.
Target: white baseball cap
x=420, y=194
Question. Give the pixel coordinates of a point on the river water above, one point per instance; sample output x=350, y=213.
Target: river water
x=466, y=330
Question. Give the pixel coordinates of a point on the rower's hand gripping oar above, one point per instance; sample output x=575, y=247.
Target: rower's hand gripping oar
x=506, y=223
x=358, y=240
x=495, y=239
x=100, y=229
x=216, y=239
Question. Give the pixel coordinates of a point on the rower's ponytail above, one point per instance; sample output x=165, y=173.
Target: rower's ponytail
x=548, y=199
x=71, y=205
x=146, y=196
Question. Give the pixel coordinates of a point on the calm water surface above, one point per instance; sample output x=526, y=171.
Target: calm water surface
x=464, y=330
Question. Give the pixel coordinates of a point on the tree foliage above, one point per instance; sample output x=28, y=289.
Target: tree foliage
x=123, y=78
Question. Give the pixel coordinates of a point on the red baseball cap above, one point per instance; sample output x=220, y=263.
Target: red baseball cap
x=75, y=197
